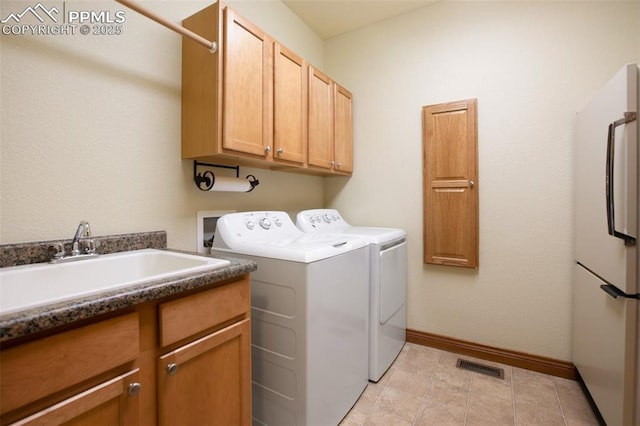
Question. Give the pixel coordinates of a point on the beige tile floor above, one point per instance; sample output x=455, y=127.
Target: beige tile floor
x=424, y=387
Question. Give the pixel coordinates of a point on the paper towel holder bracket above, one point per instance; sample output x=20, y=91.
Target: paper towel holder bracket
x=207, y=178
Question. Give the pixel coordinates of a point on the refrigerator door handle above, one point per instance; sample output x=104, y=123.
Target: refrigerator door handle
x=628, y=239
x=615, y=292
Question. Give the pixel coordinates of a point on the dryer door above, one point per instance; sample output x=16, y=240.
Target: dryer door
x=393, y=279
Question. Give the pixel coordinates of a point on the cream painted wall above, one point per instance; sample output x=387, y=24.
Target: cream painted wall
x=90, y=129
x=531, y=66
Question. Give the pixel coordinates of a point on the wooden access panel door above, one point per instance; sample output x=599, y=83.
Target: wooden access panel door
x=450, y=173
x=248, y=87
x=290, y=106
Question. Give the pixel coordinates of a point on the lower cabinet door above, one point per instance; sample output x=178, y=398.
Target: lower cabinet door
x=111, y=403
x=208, y=381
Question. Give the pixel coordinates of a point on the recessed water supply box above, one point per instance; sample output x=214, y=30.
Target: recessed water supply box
x=206, y=228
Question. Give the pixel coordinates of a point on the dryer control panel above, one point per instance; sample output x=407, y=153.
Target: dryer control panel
x=326, y=220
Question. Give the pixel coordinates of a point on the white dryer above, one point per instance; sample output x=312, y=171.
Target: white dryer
x=388, y=282
x=309, y=316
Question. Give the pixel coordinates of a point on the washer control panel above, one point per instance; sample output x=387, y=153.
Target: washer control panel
x=265, y=220
x=259, y=227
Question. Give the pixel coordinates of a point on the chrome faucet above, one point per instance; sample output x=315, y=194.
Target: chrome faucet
x=88, y=246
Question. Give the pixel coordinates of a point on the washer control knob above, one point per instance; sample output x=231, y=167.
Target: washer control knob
x=250, y=224
x=265, y=223
x=326, y=217
x=311, y=219
x=318, y=219
x=277, y=221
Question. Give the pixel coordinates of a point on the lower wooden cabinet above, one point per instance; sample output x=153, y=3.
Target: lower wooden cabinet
x=184, y=361
x=207, y=381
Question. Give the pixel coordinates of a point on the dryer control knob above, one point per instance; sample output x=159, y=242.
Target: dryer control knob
x=265, y=223
x=250, y=224
x=277, y=221
x=327, y=218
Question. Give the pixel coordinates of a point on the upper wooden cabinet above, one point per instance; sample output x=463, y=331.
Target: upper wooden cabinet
x=450, y=184
x=330, y=125
x=290, y=106
x=227, y=95
x=256, y=103
x=321, y=116
x=247, y=87
x=343, y=131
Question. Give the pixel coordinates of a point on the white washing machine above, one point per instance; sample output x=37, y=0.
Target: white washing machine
x=388, y=282
x=309, y=315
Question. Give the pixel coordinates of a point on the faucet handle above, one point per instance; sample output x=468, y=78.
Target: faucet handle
x=58, y=250
x=90, y=246
x=87, y=229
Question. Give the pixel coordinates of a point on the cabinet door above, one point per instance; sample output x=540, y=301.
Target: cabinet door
x=450, y=184
x=114, y=402
x=290, y=106
x=208, y=381
x=343, y=127
x=248, y=92
x=321, y=116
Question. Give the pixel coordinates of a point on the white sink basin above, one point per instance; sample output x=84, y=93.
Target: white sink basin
x=29, y=286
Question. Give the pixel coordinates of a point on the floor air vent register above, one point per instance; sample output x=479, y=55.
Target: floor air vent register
x=480, y=368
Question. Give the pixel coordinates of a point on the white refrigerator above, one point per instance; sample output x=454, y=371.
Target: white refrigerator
x=605, y=283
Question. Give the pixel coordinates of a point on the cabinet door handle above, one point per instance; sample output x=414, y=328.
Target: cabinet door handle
x=338, y=165
x=280, y=151
x=267, y=149
x=172, y=369
x=134, y=388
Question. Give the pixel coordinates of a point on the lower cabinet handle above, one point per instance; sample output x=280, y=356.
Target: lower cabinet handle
x=172, y=369
x=134, y=388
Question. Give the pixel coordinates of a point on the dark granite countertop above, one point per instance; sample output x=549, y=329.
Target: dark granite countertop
x=34, y=320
